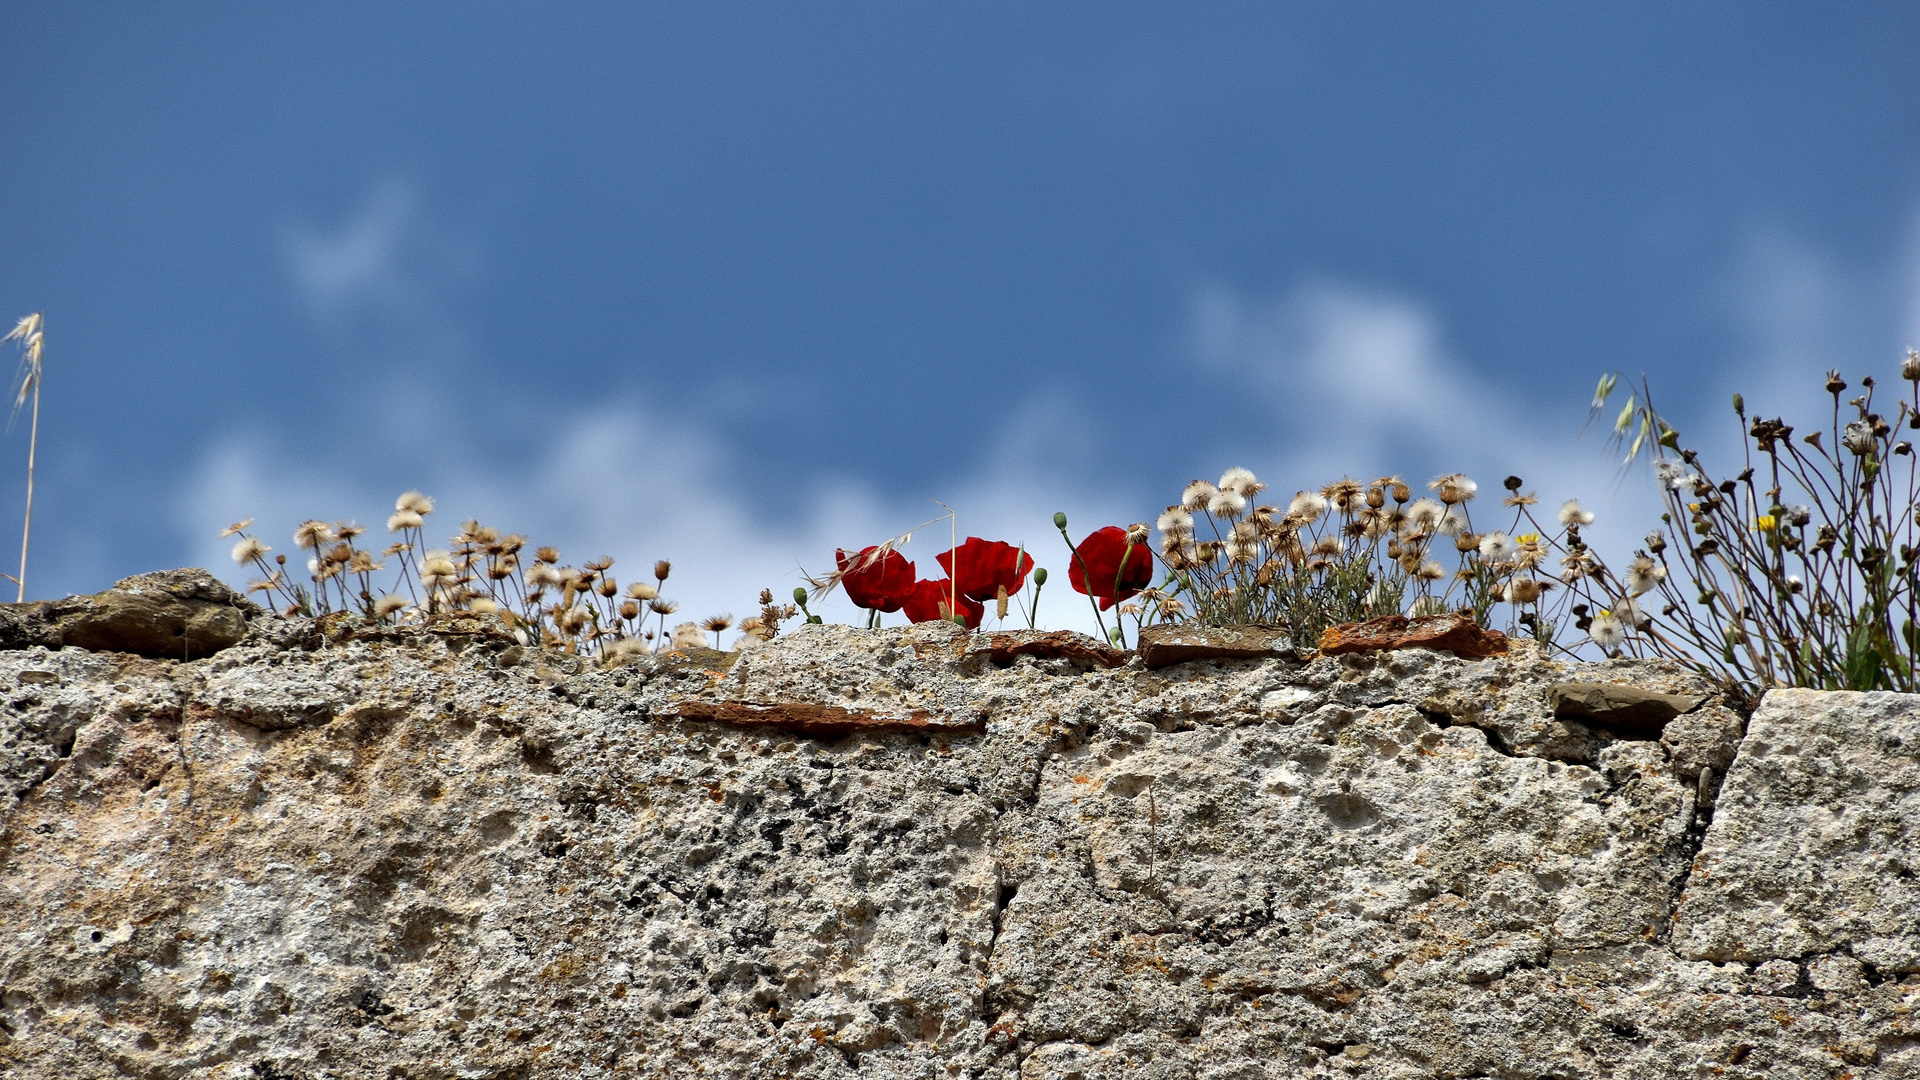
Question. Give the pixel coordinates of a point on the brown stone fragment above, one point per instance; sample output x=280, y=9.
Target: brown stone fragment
x=1003, y=646
x=827, y=721
x=1619, y=706
x=172, y=614
x=1453, y=632
x=1161, y=646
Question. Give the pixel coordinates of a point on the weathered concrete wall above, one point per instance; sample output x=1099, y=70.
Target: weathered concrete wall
x=444, y=856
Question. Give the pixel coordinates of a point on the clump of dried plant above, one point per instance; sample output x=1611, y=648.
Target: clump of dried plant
x=480, y=572
x=1798, y=568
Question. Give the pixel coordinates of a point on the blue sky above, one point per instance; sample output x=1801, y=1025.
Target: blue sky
x=733, y=286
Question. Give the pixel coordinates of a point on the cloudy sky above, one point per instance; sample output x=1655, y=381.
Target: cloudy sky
x=734, y=285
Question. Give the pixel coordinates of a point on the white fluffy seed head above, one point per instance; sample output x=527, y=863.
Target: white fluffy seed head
x=1454, y=488
x=1197, y=496
x=1227, y=504
x=415, y=502
x=1308, y=506
x=387, y=605
x=1607, y=632
x=1424, y=516
x=1572, y=513
x=248, y=549
x=1497, y=547
x=1175, y=522
x=1644, y=575
x=403, y=519
x=1242, y=481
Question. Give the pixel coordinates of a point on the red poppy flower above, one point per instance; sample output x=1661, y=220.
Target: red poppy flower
x=1102, y=553
x=986, y=567
x=928, y=597
x=883, y=584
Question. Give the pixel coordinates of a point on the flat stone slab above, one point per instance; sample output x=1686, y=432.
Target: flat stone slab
x=1625, y=708
x=1163, y=646
x=1815, y=841
x=1456, y=634
x=827, y=721
x=1003, y=647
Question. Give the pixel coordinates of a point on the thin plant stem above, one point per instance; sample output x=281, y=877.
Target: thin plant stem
x=33, y=442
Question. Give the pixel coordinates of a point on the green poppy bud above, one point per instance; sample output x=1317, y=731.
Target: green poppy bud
x=1739, y=405
x=1060, y=519
x=1039, y=576
x=799, y=595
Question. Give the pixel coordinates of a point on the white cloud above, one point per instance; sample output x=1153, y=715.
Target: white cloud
x=360, y=262
x=627, y=482
x=1357, y=383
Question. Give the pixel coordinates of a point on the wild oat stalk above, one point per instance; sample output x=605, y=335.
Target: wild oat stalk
x=28, y=332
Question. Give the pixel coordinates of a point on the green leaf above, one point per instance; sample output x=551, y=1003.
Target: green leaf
x=1863, y=661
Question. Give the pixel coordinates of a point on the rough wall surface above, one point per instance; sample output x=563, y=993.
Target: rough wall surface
x=442, y=855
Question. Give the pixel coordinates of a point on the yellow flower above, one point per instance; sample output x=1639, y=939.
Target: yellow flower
x=1764, y=523
x=1527, y=538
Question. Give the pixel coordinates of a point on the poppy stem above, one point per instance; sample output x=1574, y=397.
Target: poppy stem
x=1120, y=623
x=1060, y=522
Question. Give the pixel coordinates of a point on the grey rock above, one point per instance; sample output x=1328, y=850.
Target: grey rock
x=1816, y=837
x=350, y=855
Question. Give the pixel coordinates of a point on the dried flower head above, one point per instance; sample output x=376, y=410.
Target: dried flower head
x=546, y=555
x=234, y=528
x=313, y=535
x=481, y=605
x=1241, y=480
x=660, y=570
x=688, y=635
x=640, y=591
x=248, y=549
x=1644, y=575
x=1227, y=504
x=664, y=607
x=1910, y=367
x=1523, y=590
x=1573, y=514
x=1454, y=488
x=414, y=502
x=1197, y=496
x=543, y=575
x=1345, y=494
x=1430, y=571
x=1496, y=547
x=403, y=519
x=620, y=651
x=1858, y=438
x=1175, y=523
x=1423, y=517
x=1307, y=506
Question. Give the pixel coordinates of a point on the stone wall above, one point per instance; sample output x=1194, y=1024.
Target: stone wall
x=893, y=854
